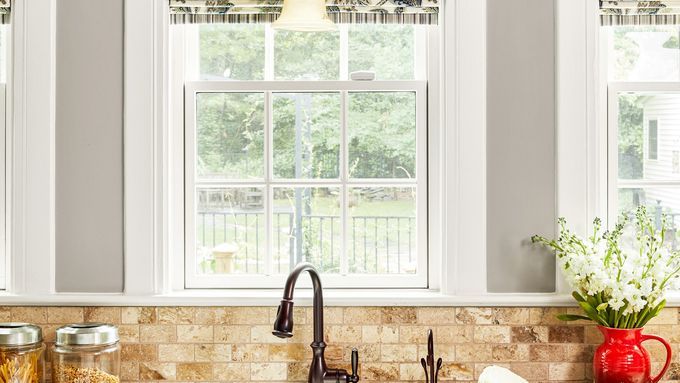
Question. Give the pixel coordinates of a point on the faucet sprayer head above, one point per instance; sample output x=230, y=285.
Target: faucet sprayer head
x=283, y=325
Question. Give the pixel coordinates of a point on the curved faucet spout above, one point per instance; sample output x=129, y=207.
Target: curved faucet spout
x=283, y=326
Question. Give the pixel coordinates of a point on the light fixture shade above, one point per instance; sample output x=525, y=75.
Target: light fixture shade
x=304, y=16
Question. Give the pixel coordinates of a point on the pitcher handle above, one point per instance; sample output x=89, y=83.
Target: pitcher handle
x=668, y=354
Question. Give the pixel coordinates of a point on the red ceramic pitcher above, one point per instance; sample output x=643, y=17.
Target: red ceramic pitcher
x=622, y=359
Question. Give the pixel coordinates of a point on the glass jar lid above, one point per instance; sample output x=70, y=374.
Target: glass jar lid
x=19, y=334
x=87, y=334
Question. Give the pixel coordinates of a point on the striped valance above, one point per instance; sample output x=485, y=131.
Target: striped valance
x=633, y=12
x=339, y=11
x=5, y=7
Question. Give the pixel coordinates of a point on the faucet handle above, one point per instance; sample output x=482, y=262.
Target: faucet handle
x=354, y=378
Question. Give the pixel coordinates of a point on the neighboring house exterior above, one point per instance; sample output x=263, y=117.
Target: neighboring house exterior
x=661, y=151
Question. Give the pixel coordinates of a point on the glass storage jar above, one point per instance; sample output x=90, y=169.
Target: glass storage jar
x=86, y=352
x=21, y=353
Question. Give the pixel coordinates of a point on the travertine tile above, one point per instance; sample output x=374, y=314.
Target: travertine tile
x=157, y=333
x=362, y=315
x=175, y=353
x=232, y=372
x=291, y=352
x=231, y=334
x=491, y=334
x=529, y=334
x=64, y=315
x=102, y=314
x=176, y=315
x=157, y=371
x=29, y=314
x=194, y=333
x=249, y=352
x=380, y=334
x=380, y=371
x=212, y=352
x=139, y=315
x=470, y=315
x=566, y=334
x=567, y=371
x=400, y=315
x=268, y=371
x=194, y=372
x=435, y=316
x=399, y=352
x=138, y=352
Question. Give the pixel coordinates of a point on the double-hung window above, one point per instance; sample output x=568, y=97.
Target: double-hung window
x=642, y=59
x=289, y=158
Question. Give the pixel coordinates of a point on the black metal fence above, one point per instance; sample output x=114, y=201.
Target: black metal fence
x=376, y=244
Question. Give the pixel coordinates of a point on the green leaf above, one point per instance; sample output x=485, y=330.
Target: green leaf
x=571, y=317
x=578, y=297
x=602, y=306
x=592, y=313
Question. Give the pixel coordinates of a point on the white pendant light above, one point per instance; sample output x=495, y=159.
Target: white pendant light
x=304, y=16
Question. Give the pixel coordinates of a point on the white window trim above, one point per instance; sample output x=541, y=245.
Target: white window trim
x=457, y=278
x=342, y=88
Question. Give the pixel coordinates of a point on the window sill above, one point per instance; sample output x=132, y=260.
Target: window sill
x=272, y=298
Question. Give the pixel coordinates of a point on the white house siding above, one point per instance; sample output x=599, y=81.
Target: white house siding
x=666, y=110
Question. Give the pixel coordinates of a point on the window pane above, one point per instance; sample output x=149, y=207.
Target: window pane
x=230, y=135
x=306, y=227
x=382, y=135
x=382, y=230
x=387, y=50
x=306, y=56
x=644, y=53
x=230, y=230
x=649, y=136
x=659, y=201
x=222, y=59
x=306, y=135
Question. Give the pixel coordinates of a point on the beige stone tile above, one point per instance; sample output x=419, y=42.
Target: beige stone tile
x=157, y=333
x=138, y=352
x=398, y=352
x=343, y=334
x=232, y=372
x=29, y=314
x=176, y=315
x=194, y=372
x=566, y=334
x=64, y=315
x=668, y=315
x=453, y=334
x=411, y=371
x=510, y=315
x=194, y=333
x=531, y=371
x=331, y=315
x=250, y=352
x=579, y=353
x=212, y=352
x=379, y=371
x=293, y=352
x=510, y=353
x=380, y=334
x=362, y=315
x=128, y=333
x=479, y=367
x=436, y=316
x=268, y=371
x=102, y=314
x=157, y=371
x=594, y=336
x=231, y=334
x=299, y=371
x=399, y=315
x=5, y=314
x=472, y=352
x=457, y=371
x=175, y=353
x=547, y=352
x=567, y=371
x=139, y=315
x=367, y=352
x=529, y=334
x=474, y=315
x=49, y=332
x=129, y=371
x=546, y=315
x=413, y=334
x=234, y=315
x=263, y=334
x=491, y=334
x=444, y=350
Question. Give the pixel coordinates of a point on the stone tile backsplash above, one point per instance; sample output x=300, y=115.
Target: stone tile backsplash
x=234, y=344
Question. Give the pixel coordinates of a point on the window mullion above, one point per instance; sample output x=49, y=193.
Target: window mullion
x=344, y=196
x=268, y=192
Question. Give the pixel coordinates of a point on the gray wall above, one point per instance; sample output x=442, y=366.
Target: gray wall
x=89, y=146
x=520, y=144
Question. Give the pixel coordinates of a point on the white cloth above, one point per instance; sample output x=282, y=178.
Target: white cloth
x=496, y=374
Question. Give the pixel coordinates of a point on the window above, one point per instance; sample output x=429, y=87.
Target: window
x=287, y=160
x=644, y=121
x=652, y=139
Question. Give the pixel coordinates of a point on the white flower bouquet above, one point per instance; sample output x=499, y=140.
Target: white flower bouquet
x=619, y=276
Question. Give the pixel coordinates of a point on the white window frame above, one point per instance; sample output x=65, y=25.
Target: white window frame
x=343, y=88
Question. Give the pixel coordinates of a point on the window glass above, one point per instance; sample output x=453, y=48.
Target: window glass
x=307, y=56
x=643, y=53
x=230, y=135
x=221, y=59
x=652, y=140
x=387, y=50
